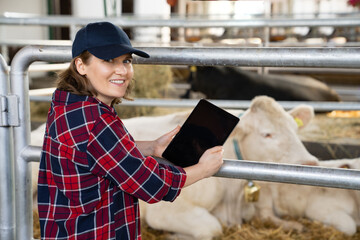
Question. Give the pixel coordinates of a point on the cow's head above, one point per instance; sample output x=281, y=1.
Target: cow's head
x=267, y=132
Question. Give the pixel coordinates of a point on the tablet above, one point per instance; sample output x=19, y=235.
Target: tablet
x=206, y=127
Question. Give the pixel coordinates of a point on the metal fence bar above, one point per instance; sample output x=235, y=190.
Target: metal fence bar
x=7, y=204
x=255, y=57
x=228, y=104
x=345, y=57
x=239, y=104
x=289, y=173
x=272, y=172
x=250, y=57
x=183, y=21
x=25, y=42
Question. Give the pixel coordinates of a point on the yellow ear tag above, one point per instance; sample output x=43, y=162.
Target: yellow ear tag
x=299, y=122
x=193, y=69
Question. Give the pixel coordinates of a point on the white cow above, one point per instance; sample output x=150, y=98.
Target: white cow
x=268, y=133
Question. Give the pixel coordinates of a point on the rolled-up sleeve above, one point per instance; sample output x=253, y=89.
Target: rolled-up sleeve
x=112, y=154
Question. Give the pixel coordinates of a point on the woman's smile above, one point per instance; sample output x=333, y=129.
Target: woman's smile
x=117, y=82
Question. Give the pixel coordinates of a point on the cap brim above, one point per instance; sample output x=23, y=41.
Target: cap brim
x=114, y=51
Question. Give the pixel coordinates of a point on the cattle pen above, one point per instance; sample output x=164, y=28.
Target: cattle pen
x=17, y=153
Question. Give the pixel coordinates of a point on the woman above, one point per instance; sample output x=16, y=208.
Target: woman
x=92, y=172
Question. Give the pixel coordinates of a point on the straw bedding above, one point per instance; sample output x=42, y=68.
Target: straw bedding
x=253, y=230
x=265, y=230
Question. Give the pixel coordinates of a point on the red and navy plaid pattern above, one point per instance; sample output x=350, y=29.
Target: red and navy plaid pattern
x=92, y=174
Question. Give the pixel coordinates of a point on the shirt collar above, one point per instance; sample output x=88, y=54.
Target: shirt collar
x=65, y=98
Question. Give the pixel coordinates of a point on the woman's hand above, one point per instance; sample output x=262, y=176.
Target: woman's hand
x=162, y=142
x=157, y=147
x=209, y=163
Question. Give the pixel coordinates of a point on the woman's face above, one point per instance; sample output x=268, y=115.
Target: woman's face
x=110, y=78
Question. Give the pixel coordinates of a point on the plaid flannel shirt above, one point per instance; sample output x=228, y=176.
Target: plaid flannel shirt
x=92, y=174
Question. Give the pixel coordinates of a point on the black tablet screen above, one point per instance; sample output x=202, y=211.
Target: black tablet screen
x=206, y=127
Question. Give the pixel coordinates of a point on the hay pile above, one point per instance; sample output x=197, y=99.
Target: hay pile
x=326, y=128
x=265, y=230
x=36, y=225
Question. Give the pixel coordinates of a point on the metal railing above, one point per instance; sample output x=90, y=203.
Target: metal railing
x=251, y=57
x=134, y=21
x=228, y=104
x=7, y=216
x=292, y=57
x=183, y=21
x=271, y=172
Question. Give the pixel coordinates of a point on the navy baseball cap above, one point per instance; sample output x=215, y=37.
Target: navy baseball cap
x=104, y=40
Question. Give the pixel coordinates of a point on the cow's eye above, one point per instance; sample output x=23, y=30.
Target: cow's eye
x=267, y=135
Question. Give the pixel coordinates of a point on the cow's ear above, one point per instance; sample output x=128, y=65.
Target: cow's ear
x=302, y=114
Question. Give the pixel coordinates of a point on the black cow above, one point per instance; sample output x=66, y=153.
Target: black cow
x=235, y=84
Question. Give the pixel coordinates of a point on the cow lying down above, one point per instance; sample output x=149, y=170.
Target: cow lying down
x=274, y=132
x=266, y=132
x=218, y=82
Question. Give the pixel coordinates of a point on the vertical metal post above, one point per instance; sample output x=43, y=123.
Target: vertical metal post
x=267, y=32
x=23, y=198
x=7, y=204
x=20, y=87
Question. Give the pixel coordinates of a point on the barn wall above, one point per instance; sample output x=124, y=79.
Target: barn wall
x=37, y=7
x=154, y=8
x=94, y=8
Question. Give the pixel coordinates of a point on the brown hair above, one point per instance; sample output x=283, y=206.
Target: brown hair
x=72, y=81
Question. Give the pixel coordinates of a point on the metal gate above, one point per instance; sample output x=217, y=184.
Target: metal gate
x=16, y=153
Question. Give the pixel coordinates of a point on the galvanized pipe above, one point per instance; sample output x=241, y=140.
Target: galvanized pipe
x=255, y=57
x=289, y=173
x=25, y=42
x=31, y=153
x=249, y=57
x=239, y=104
x=272, y=172
x=344, y=57
x=188, y=22
x=228, y=104
x=20, y=87
x=7, y=202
